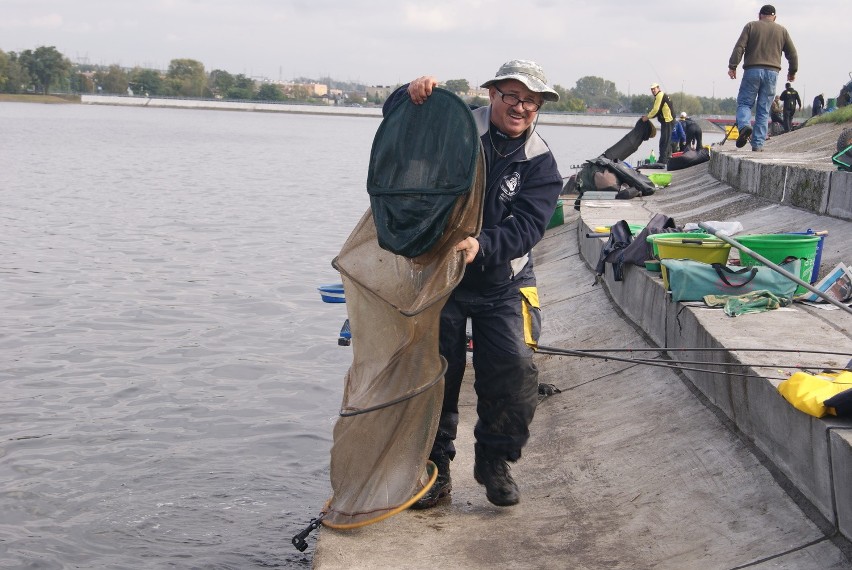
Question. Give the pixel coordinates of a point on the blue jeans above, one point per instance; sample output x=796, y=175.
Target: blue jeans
x=757, y=85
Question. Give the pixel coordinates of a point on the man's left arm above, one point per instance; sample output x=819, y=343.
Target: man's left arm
x=532, y=209
x=792, y=57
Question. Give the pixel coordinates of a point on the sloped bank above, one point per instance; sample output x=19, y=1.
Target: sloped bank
x=786, y=188
x=625, y=467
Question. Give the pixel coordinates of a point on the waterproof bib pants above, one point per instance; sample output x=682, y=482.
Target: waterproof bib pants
x=506, y=379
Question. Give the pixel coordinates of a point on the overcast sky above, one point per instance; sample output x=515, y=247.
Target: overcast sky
x=680, y=44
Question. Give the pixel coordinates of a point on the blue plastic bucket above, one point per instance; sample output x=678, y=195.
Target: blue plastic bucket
x=818, y=256
x=332, y=293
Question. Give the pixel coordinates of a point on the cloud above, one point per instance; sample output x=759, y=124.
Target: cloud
x=432, y=18
x=386, y=41
x=50, y=21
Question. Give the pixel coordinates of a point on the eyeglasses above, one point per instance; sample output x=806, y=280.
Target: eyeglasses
x=512, y=100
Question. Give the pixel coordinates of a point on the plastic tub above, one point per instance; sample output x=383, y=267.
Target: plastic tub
x=652, y=239
x=332, y=293
x=661, y=179
x=634, y=228
x=712, y=250
x=777, y=247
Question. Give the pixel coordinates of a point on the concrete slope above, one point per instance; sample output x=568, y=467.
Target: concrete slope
x=635, y=466
x=628, y=466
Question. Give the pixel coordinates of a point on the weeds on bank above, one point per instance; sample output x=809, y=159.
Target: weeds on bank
x=838, y=116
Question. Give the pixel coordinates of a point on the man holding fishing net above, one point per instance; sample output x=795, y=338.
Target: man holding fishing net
x=498, y=292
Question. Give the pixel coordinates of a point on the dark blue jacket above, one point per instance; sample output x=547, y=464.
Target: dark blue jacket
x=520, y=197
x=678, y=134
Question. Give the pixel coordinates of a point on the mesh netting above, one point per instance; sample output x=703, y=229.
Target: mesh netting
x=419, y=164
x=394, y=387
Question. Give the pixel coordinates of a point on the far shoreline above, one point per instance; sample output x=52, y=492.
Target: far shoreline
x=620, y=121
x=38, y=98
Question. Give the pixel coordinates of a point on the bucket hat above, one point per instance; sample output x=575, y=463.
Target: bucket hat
x=527, y=72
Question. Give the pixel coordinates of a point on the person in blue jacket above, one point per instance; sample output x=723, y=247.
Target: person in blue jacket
x=678, y=137
x=498, y=291
x=818, y=105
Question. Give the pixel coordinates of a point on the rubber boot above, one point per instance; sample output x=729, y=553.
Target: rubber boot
x=493, y=472
x=442, y=487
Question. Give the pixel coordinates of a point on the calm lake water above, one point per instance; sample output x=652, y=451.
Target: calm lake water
x=169, y=377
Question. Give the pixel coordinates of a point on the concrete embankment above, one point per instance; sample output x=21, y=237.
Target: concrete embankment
x=634, y=466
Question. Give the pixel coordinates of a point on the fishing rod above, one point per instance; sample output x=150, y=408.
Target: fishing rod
x=711, y=363
x=680, y=366
x=712, y=349
x=649, y=362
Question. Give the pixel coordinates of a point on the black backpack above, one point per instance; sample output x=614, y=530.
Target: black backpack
x=668, y=101
x=625, y=248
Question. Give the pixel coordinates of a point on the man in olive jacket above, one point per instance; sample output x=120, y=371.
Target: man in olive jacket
x=761, y=43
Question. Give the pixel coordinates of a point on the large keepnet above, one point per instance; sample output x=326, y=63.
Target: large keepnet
x=426, y=183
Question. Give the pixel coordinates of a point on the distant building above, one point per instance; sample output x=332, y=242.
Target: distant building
x=309, y=89
x=475, y=92
x=317, y=89
x=379, y=92
x=336, y=97
x=597, y=110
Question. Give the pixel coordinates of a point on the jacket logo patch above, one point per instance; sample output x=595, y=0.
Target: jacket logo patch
x=509, y=187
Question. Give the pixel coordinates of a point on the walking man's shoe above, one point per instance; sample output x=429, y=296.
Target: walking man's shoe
x=442, y=487
x=757, y=149
x=744, y=136
x=493, y=472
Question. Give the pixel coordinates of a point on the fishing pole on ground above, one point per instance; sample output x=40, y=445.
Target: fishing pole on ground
x=712, y=349
x=681, y=365
x=721, y=349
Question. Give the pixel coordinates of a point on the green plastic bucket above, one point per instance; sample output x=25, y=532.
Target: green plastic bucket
x=777, y=247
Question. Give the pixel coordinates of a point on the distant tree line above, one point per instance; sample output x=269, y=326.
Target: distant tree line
x=45, y=70
x=599, y=95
